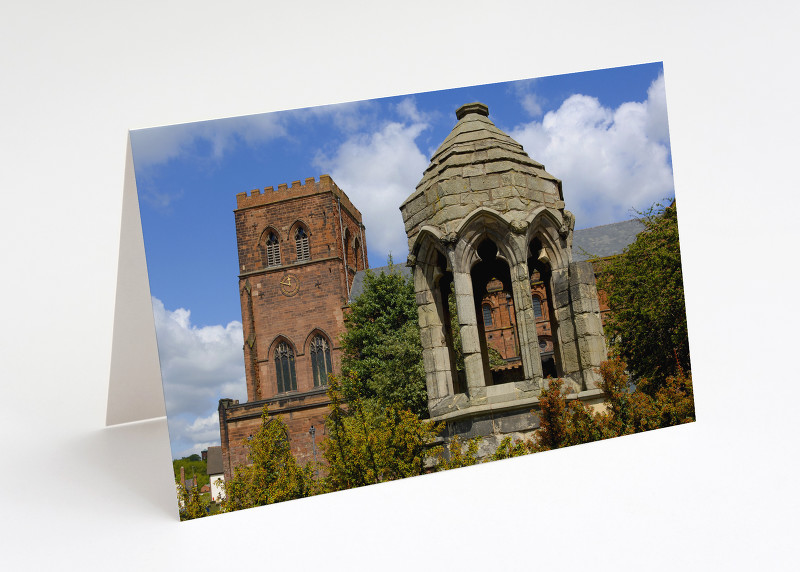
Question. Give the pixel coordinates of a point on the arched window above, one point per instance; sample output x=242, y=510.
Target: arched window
x=273, y=250
x=284, y=368
x=320, y=360
x=301, y=242
x=537, y=307
x=487, y=316
x=356, y=253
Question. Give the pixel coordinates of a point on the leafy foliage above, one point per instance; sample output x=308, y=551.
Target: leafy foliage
x=566, y=421
x=458, y=454
x=381, y=344
x=644, y=285
x=371, y=442
x=192, y=468
x=191, y=503
x=273, y=474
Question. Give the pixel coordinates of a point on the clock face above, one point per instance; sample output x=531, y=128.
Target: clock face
x=290, y=285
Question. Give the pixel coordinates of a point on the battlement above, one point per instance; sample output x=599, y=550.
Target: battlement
x=285, y=192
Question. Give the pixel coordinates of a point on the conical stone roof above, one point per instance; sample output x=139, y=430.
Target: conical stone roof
x=478, y=165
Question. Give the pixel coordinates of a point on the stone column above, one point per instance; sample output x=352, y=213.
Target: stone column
x=591, y=343
x=526, y=323
x=565, y=333
x=468, y=326
x=435, y=354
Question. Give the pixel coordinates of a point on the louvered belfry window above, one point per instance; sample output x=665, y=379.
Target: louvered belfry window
x=273, y=250
x=301, y=241
x=320, y=360
x=284, y=368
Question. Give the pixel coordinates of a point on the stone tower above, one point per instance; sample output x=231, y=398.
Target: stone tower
x=486, y=218
x=300, y=247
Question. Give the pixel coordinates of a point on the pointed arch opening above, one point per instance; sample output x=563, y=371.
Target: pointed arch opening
x=541, y=280
x=301, y=243
x=497, y=332
x=321, y=366
x=285, y=374
x=271, y=248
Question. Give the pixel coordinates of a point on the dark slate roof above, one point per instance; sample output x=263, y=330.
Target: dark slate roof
x=605, y=240
x=214, y=466
x=598, y=241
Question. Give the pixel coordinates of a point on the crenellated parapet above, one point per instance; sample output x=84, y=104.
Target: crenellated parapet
x=297, y=190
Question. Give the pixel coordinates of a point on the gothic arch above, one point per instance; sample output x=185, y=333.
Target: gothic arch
x=317, y=332
x=269, y=247
x=545, y=224
x=319, y=349
x=300, y=233
x=486, y=223
x=283, y=356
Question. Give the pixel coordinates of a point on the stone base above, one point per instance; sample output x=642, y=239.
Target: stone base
x=493, y=421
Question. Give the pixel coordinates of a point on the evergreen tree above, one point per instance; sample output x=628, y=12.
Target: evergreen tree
x=644, y=285
x=382, y=344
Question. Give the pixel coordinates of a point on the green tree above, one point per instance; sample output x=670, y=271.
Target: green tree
x=191, y=503
x=369, y=441
x=381, y=344
x=272, y=474
x=192, y=469
x=644, y=285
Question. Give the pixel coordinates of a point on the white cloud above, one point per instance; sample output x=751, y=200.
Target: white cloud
x=199, y=365
x=159, y=145
x=407, y=109
x=609, y=160
x=378, y=171
x=346, y=117
x=531, y=104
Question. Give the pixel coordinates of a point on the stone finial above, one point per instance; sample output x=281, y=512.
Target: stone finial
x=475, y=107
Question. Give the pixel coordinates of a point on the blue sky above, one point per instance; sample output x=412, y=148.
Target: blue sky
x=604, y=133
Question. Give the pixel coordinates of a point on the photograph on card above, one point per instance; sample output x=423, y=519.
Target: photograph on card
x=362, y=292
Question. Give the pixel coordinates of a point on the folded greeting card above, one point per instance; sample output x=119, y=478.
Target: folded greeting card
x=356, y=293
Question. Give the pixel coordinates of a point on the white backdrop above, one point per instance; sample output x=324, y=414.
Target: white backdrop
x=720, y=493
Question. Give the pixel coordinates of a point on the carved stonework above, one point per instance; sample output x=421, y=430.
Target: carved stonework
x=503, y=242
x=519, y=227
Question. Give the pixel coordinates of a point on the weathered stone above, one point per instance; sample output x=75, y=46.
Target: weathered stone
x=469, y=339
x=485, y=182
x=469, y=428
x=513, y=421
x=473, y=171
x=424, y=298
x=592, y=351
x=581, y=273
x=588, y=325
x=569, y=352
